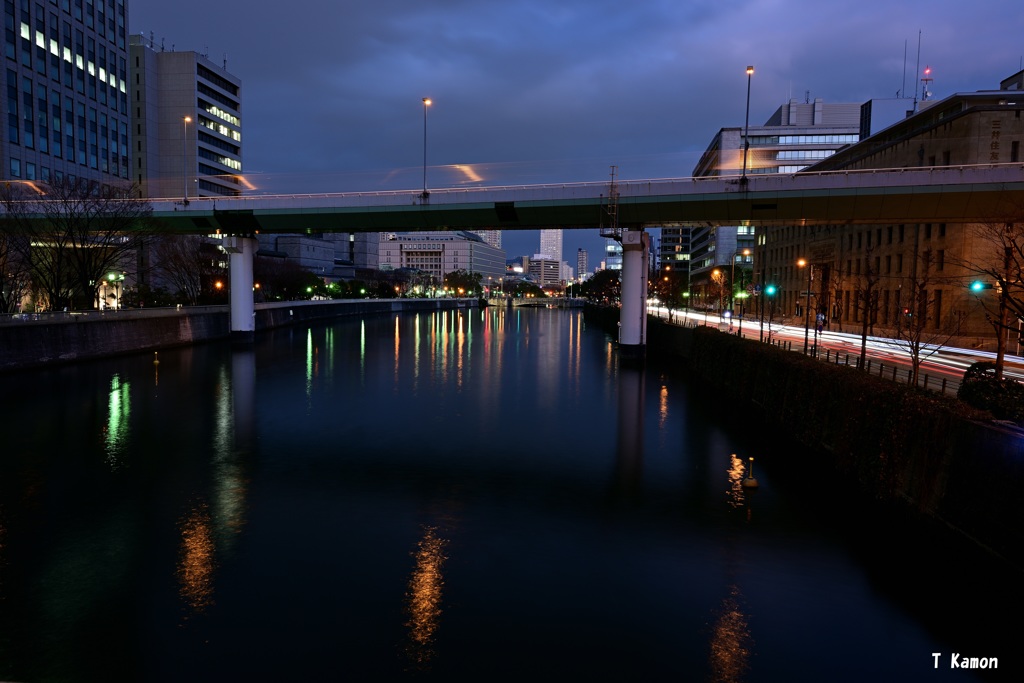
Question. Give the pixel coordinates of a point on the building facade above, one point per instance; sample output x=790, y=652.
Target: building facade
x=67, y=92
x=794, y=137
x=188, y=124
x=876, y=274
x=544, y=271
x=551, y=243
x=581, y=264
x=439, y=253
x=492, y=237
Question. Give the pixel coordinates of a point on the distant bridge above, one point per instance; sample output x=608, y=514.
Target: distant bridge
x=542, y=302
x=952, y=194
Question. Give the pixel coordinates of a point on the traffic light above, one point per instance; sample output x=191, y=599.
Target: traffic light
x=770, y=290
x=906, y=311
x=978, y=285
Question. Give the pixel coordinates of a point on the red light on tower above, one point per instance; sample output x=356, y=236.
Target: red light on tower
x=926, y=82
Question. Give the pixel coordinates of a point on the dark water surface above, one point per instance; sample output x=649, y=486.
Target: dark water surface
x=482, y=495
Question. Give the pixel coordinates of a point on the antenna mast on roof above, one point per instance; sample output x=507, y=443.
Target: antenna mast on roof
x=926, y=82
x=917, y=67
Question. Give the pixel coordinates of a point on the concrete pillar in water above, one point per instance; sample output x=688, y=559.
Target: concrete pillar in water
x=633, y=314
x=243, y=320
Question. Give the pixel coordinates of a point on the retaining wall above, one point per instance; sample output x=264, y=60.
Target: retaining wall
x=30, y=344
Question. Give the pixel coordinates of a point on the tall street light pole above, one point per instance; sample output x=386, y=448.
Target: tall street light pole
x=184, y=155
x=746, y=126
x=732, y=278
x=426, y=103
x=732, y=284
x=807, y=308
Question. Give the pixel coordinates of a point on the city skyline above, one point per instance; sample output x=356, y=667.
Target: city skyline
x=521, y=94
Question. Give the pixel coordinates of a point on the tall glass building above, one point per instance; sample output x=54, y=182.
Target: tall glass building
x=67, y=90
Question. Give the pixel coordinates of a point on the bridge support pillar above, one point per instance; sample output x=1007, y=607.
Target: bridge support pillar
x=633, y=314
x=242, y=251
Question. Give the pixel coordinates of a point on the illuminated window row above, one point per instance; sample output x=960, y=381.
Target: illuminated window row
x=220, y=128
x=803, y=139
x=78, y=60
x=224, y=115
x=788, y=155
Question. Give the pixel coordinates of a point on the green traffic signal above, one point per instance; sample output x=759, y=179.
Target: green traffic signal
x=770, y=290
x=978, y=285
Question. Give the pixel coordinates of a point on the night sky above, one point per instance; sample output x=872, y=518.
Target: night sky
x=536, y=91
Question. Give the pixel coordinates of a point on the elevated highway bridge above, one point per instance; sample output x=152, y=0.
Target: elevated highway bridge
x=949, y=194
x=952, y=194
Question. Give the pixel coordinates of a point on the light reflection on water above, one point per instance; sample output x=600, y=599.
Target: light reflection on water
x=730, y=641
x=281, y=496
x=423, y=597
x=196, y=559
x=118, y=414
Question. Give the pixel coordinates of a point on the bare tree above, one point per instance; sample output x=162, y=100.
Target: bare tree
x=921, y=328
x=998, y=259
x=188, y=263
x=867, y=304
x=14, y=244
x=718, y=278
x=78, y=231
x=837, y=287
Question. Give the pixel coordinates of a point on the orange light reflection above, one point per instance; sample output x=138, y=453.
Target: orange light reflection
x=424, y=597
x=195, y=566
x=730, y=641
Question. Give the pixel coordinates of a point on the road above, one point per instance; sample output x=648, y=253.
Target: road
x=938, y=363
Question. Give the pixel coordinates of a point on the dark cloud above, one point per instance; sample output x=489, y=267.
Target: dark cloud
x=543, y=91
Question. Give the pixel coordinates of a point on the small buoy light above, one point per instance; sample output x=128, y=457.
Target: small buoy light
x=750, y=482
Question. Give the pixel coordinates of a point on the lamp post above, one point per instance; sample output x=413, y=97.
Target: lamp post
x=746, y=126
x=807, y=308
x=116, y=280
x=732, y=279
x=426, y=103
x=184, y=155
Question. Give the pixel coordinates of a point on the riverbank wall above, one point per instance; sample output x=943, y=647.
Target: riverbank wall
x=930, y=454
x=70, y=337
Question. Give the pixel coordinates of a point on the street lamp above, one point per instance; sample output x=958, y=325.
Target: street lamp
x=746, y=126
x=807, y=308
x=117, y=280
x=184, y=155
x=732, y=287
x=732, y=278
x=426, y=103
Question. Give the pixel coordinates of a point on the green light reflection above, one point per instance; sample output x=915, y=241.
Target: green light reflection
x=118, y=412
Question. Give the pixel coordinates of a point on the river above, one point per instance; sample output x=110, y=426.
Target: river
x=479, y=494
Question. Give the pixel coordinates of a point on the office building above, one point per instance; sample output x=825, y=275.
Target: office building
x=870, y=272
x=581, y=264
x=492, y=237
x=795, y=136
x=546, y=272
x=612, y=255
x=67, y=92
x=187, y=130
x=551, y=243
x=440, y=253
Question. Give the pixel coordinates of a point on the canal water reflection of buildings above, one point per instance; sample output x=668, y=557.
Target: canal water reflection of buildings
x=430, y=494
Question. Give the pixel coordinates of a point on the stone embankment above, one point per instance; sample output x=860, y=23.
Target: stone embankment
x=37, y=341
